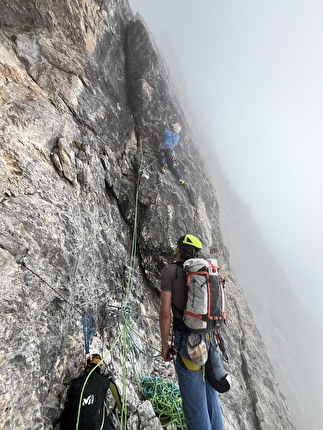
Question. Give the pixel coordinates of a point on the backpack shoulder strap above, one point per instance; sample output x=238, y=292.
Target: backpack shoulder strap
x=178, y=264
x=115, y=392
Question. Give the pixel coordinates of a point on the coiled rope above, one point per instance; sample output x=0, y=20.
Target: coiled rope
x=166, y=400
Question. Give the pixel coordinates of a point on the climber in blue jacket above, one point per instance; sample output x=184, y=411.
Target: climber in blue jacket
x=167, y=143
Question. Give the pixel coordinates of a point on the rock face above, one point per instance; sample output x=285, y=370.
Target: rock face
x=87, y=221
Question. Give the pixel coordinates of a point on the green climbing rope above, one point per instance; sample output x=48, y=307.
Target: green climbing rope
x=166, y=400
x=123, y=313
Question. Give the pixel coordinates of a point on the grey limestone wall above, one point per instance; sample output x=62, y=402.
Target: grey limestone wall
x=82, y=89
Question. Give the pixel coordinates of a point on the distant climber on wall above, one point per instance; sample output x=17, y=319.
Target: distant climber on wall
x=167, y=142
x=89, y=408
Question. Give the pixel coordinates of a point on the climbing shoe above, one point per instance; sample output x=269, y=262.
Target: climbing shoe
x=181, y=181
x=163, y=169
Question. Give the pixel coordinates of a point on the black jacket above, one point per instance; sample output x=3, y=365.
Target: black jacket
x=93, y=414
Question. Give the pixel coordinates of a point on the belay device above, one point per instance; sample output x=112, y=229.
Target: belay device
x=205, y=306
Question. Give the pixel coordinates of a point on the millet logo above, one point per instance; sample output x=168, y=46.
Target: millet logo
x=89, y=400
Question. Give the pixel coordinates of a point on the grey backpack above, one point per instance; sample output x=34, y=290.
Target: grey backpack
x=205, y=306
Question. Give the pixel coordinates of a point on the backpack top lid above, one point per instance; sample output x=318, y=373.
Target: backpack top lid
x=189, y=246
x=197, y=264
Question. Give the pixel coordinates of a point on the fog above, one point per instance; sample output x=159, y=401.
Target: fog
x=252, y=75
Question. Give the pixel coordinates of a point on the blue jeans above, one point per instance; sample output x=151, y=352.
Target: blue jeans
x=200, y=401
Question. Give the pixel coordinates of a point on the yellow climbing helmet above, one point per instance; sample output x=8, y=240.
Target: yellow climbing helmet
x=189, y=246
x=189, y=239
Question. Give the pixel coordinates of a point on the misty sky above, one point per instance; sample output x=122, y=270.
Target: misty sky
x=253, y=74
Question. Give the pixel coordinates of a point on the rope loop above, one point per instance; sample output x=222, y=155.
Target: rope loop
x=166, y=400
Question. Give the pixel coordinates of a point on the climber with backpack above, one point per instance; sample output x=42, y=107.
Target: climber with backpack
x=86, y=405
x=192, y=291
x=167, y=142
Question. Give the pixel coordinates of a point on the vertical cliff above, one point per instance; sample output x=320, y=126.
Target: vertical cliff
x=87, y=221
